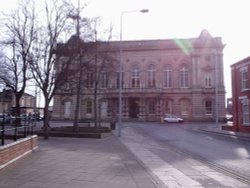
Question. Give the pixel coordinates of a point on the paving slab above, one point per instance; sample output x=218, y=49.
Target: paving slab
x=77, y=162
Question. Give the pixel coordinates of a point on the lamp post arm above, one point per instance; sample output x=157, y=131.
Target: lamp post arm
x=120, y=69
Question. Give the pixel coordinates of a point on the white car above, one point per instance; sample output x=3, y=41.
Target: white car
x=172, y=119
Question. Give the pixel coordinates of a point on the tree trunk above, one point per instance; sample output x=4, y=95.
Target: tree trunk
x=95, y=105
x=17, y=112
x=46, y=121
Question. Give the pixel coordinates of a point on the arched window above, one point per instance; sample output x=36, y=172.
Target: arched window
x=184, y=77
x=118, y=74
x=135, y=77
x=151, y=76
x=167, y=76
x=104, y=79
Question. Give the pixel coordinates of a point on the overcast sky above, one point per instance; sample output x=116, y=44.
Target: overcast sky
x=168, y=19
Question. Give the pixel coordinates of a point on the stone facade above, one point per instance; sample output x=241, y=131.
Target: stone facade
x=178, y=76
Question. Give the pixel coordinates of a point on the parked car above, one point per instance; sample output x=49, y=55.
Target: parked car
x=170, y=118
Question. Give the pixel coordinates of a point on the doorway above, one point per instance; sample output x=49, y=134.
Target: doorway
x=134, y=107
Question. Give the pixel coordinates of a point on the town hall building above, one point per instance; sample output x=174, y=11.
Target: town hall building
x=174, y=76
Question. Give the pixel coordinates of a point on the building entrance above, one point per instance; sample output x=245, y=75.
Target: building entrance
x=134, y=108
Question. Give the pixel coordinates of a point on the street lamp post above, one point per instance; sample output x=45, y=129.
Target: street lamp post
x=120, y=69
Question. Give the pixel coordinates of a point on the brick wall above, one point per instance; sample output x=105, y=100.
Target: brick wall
x=13, y=151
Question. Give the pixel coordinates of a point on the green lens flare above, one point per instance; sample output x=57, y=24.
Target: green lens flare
x=184, y=45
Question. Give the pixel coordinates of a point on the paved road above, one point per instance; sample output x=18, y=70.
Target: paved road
x=181, y=157
x=163, y=156
x=231, y=154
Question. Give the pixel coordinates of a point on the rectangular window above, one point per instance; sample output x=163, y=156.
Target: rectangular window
x=208, y=107
x=244, y=79
x=90, y=80
x=245, y=112
x=168, y=107
x=184, y=107
x=88, y=107
x=167, y=78
x=151, y=106
x=208, y=80
x=67, y=109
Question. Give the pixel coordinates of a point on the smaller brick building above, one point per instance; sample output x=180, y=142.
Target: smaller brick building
x=7, y=102
x=241, y=95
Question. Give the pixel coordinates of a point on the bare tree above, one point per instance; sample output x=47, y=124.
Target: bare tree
x=48, y=77
x=103, y=67
x=17, y=44
x=81, y=50
x=102, y=64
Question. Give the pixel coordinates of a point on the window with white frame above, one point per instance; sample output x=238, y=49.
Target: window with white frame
x=135, y=78
x=167, y=76
x=244, y=78
x=151, y=76
x=245, y=112
x=184, y=77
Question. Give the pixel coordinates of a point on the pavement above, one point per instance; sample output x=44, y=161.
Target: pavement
x=218, y=131
x=111, y=162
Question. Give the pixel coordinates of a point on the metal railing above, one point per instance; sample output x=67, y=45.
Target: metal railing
x=15, y=128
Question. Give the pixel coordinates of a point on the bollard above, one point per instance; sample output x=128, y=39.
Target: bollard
x=162, y=120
